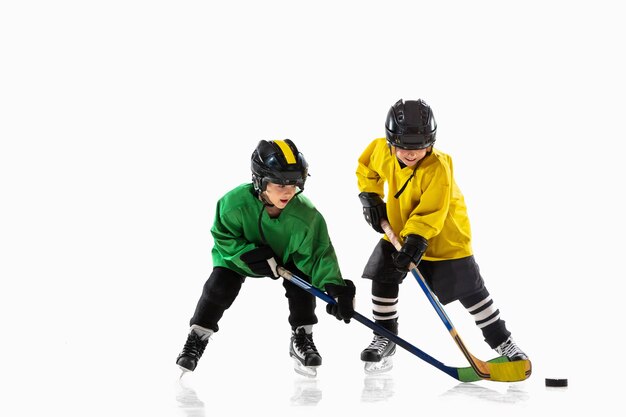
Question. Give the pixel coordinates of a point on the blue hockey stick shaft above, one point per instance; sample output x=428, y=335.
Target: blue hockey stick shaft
x=461, y=374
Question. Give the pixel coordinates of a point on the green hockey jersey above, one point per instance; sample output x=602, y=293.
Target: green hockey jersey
x=298, y=235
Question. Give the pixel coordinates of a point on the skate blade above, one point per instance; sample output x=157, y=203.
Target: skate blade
x=183, y=371
x=308, y=371
x=384, y=365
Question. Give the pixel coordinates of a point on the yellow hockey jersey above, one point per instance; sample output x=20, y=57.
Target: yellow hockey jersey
x=431, y=205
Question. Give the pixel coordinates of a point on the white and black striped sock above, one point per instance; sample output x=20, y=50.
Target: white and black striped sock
x=384, y=308
x=484, y=312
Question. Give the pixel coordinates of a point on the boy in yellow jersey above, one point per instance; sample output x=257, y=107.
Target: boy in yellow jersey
x=426, y=208
x=258, y=226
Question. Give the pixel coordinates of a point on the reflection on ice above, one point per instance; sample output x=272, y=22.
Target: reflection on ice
x=189, y=402
x=514, y=393
x=306, y=392
x=377, y=387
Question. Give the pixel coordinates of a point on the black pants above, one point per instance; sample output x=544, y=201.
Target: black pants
x=450, y=280
x=222, y=287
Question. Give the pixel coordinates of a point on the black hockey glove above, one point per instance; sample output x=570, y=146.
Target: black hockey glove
x=343, y=309
x=412, y=251
x=261, y=261
x=374, y=210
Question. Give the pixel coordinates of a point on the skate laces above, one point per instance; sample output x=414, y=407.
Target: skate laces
x=379, y=343
x=304, y=342
x=194, y=346
x=510, y=349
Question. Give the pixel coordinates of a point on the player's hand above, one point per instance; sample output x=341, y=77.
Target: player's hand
x=411, y=252
x=374, y=210
x=343, y=309
x=262, y=261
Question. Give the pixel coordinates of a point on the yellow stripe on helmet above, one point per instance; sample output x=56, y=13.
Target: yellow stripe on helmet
x=289, y=156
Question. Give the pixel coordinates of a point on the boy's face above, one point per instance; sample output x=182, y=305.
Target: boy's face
x=279, y=195
x=410, y=157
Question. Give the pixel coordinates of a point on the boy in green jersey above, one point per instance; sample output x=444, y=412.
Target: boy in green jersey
x=257, y=227
x=426, y=208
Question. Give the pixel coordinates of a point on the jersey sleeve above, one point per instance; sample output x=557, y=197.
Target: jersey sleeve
x=229, y=242
x=369, y=178
x=316, y=257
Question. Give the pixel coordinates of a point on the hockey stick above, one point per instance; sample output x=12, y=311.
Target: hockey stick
x=466, y=374
x=504, y=371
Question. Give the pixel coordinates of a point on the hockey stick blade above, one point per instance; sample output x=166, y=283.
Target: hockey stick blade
x=502, y=370
x=466, y=374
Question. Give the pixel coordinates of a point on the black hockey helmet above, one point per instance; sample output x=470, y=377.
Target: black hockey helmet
x=280, y=162
x=411, y=125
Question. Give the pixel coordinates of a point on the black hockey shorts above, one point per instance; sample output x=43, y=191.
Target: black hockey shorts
x=449, y=280
x=380, y=267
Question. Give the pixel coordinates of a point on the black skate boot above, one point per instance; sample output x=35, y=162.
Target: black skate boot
x=510, y=349
x=194, y=347
x=303, y=351
x=377, y=356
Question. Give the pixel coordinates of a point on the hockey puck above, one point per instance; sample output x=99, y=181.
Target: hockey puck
x=556, y=382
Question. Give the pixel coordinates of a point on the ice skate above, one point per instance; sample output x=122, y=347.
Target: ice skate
x=510, y=349
x=377, y=356
x=304, y=353
x=194, y=347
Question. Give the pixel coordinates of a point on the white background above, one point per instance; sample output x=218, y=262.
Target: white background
x=123, y=122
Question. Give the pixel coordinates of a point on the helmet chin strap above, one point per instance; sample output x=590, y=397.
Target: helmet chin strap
x=264, y=200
